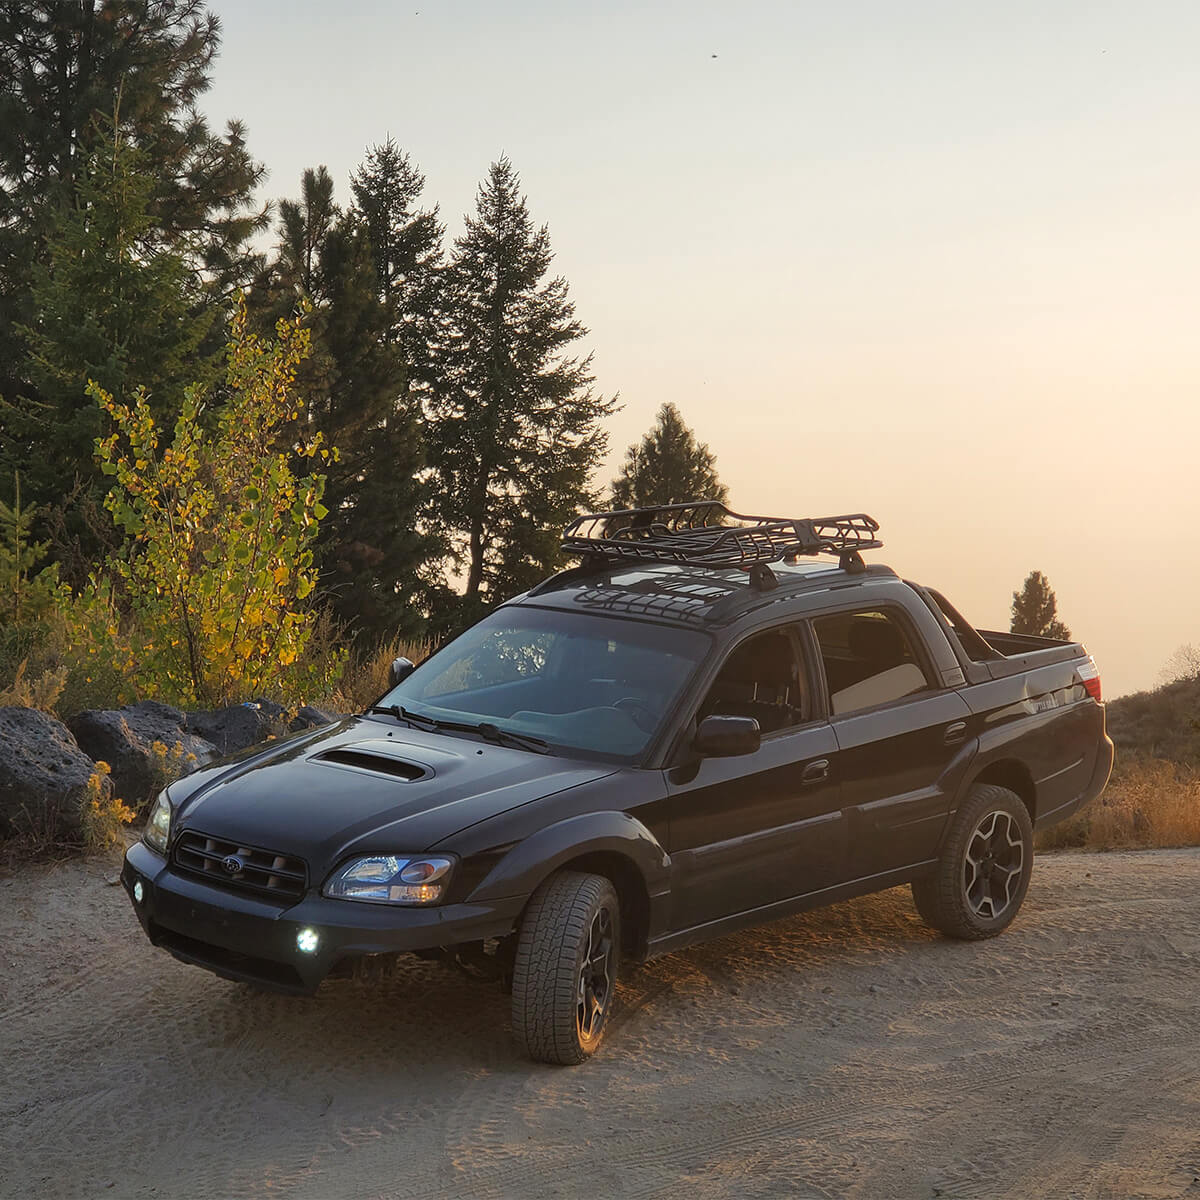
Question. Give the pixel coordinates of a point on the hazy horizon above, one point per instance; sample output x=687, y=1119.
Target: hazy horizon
x=930, y=262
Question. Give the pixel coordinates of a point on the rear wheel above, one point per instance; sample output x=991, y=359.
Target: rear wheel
x=983, y=873
x=565, y=969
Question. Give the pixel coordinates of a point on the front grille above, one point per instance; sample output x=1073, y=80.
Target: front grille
x=282, y=877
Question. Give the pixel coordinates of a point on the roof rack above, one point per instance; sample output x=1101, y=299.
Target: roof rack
x=704, y=533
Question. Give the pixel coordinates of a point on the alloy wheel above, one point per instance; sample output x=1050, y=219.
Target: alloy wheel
x=993, y=864
x=595, y=977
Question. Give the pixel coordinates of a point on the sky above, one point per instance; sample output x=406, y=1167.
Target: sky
x=939, y=262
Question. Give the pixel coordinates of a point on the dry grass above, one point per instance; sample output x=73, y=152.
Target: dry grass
x=365, y=677
x=1150, y=803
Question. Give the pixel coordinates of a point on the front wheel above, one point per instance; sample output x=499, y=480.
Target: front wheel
x=983, y=872
x=565, y=970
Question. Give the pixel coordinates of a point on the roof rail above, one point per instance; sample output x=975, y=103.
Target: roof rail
x=704, y=533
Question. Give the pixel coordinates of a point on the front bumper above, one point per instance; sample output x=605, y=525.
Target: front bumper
x=250, y=940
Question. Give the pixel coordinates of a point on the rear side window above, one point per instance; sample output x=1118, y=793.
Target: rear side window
x=869, y=660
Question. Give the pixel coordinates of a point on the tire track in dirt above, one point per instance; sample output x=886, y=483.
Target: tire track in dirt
x=847, y=1052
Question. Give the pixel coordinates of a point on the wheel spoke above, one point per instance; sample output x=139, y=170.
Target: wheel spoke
x=993, y=863
x=594, y=981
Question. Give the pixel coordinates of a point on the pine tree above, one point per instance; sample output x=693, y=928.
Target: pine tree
x=668, y=467
x=66, y=66
x=111, y=307
x=1035, y=609
x=516, y=424
x=406, y=248
x=372, y=550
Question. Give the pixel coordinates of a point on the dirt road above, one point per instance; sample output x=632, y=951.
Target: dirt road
x=848, y=1052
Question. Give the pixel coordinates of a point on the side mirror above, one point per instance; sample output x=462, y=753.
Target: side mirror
x=723, y=737
x=400, y=670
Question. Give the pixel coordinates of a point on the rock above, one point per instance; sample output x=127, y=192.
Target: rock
x=43, y=775
x=310, y=717
x=124, y=738
x=235, y=727
x=272, y=710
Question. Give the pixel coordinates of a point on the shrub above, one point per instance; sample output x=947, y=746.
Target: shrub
x=28, y=593
x=104, y=815
x=205, y=604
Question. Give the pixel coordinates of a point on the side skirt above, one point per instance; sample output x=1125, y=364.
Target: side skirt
x=668, y=942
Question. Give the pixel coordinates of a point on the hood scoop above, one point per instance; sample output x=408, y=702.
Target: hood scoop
x=363, y=759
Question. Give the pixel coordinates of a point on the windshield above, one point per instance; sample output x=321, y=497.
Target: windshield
x=580, y=682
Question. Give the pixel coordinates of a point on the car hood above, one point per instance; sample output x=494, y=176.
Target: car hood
x=366, y=786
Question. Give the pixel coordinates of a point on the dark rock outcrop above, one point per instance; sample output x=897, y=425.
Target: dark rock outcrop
x=237, y=726
x=43, y=775
x=310, y=717
x=124, y=738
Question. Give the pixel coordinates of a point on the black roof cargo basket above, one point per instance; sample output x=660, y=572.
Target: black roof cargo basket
x=704, y=533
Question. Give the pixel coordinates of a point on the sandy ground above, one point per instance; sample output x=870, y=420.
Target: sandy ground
x=848, y=1052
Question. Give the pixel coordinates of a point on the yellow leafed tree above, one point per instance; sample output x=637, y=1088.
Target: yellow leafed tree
x=205, y=602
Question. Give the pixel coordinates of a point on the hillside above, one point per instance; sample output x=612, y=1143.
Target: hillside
x=1164, y=723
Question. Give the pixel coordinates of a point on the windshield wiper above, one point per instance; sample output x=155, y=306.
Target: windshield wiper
x=402, y=714
x=526, y=741
x=485, y=729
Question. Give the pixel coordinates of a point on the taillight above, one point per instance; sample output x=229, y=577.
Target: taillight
x=1089, y=676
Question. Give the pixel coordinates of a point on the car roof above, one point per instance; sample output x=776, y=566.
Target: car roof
x=681, y=594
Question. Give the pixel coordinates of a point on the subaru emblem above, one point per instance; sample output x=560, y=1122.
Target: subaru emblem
x=233, y=865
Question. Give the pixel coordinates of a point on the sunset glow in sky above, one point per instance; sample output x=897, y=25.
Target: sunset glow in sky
x=935, y=261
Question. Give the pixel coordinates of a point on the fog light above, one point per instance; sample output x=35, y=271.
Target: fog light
x=306, y=941
x=139, y=892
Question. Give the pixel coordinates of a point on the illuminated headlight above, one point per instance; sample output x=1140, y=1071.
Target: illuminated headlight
x=139, y=892
x=158, y=827
x=307, y=941
x=391, y=880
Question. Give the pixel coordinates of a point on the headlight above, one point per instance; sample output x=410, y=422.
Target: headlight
x=158, y=827
x=388, y=879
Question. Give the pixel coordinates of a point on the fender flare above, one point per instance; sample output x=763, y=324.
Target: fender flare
x=530, y=861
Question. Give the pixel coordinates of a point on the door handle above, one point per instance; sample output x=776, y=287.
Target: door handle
x=955, y=733
x=816, y=770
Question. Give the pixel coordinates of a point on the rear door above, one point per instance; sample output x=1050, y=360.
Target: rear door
x=751, y=830
x=901, y=738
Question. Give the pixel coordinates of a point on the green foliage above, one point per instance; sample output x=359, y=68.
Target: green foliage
x=406, y=251
x=668, y=467
x=28, y=594
x=63, y=67
x=112, y=307
x=515, y=425
x=206, y=603
x=371, y=550
x=1035, y=609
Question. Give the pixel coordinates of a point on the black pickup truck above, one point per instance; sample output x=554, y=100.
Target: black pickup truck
x=703, y=726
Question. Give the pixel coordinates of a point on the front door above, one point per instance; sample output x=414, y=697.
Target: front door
x=754, y=829
x=900, y=739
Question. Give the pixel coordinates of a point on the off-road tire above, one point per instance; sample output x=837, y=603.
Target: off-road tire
x=957, y=899
x=556, y=1017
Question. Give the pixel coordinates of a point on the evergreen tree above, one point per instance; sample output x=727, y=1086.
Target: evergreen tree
x=515, y=423
x=371, y=550
x=668, y=467
x=111, y=307
x=65, y=66
x=28, y=591
x=406, y=248
x=1035, y=609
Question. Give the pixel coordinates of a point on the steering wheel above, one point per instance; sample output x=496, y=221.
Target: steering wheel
x=638, y=711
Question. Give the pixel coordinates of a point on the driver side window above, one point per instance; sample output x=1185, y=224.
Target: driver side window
x=762, y=678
